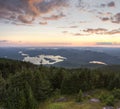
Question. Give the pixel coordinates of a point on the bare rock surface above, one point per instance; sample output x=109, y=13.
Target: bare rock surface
x=62, y=99
x=95, y=100
x=108, y=107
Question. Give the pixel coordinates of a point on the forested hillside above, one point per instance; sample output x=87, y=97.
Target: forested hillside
x=25, y=86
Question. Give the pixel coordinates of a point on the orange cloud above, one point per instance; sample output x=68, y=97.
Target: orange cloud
x=19, y=10
x=32, y=6
x=43, y=23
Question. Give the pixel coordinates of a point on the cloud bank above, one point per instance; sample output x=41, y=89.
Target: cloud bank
x=102, y=31
x=97, y=62
x=44, y=59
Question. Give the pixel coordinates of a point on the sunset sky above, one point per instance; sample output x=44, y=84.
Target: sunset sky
x=60, y=23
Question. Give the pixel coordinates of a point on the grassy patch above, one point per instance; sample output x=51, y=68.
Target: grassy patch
x=57, y=106
x=72, y=105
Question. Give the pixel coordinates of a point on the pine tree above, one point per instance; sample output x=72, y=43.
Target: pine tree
x=80, y=96
x=30, y=100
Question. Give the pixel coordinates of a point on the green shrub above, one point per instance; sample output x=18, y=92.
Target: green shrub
x=116, y=93
x=79, y=96
x=110, y=100
x=107, y=99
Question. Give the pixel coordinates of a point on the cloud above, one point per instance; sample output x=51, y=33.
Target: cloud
x=96, y=31
x=75, y=34
x=104, y=43
x=107, y=43
x=104, y=16
x=102, y=31
x=64, y=32
x=25, y=19
x=110, y=17
x=33, y=8
x=79, y=34
x=101, y=9
x=116, y=18
x=111, y=4
x=23, y=54
x=54, y=17
x=57, y=43
x=82, y=22
x=3, y=41
x=112, y=32
x=43, y=23
x=26, y=11
x=113, y=18
x=103, y=5
x=74, y=26
x=105, y=19
x=97, y=62
x=44, y=59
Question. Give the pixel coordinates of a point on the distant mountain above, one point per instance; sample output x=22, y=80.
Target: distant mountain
x=64, y=57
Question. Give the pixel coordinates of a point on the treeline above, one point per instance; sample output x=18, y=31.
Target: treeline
x=24, y=86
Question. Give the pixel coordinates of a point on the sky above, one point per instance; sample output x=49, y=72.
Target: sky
x=60, y=23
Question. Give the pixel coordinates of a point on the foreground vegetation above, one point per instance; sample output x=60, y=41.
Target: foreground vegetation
x=86, y=102
x=72, y=105
x=25, y=86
